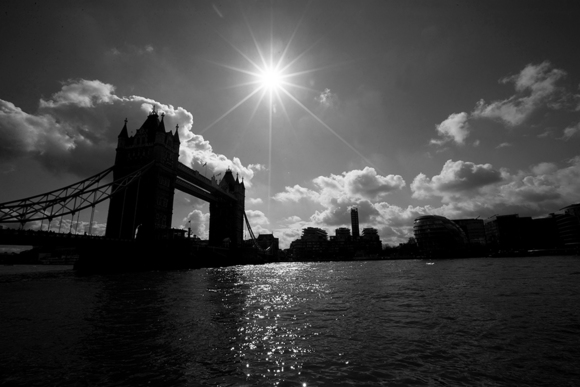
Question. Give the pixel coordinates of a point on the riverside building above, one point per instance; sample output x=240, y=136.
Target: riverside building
x=313, y=245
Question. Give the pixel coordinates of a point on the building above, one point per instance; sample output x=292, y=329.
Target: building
x=370, y=242
x=342, y=234
x=341, y=245
x=505, y=233
x=474, y=230
x=568, y=225
x=354, y=223
x=437, y=235
x=313, y=245
x=543, y=234
x=230, y=214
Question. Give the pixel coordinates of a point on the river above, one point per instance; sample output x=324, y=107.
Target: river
x=460, y=322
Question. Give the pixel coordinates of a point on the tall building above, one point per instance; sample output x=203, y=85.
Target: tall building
x=354, y=223
x=148, y=205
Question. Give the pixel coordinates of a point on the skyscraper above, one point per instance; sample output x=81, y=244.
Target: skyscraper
x=354, y=223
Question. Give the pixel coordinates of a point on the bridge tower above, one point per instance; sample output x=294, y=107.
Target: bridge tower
x=146, y=205
x=226, y=222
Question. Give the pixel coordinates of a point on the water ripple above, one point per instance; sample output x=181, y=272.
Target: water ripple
x=483, y=322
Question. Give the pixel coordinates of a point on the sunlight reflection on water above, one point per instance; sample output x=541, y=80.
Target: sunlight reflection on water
x=454, y=322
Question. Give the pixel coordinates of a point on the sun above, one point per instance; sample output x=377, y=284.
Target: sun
x=270, y=78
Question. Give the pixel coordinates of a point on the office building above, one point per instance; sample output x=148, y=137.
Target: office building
x=354, y=223
x=438, y=235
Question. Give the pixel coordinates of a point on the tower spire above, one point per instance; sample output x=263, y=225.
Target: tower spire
x=124, y=132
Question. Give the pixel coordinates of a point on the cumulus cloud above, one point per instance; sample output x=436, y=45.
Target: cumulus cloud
x=295, y=194
x=503, y=145
x=465, y=190
x=22, y=133
x=258, y=221
x=82, y=93
x=454, y=128
x=293, y=219
x=353, y=185
x=535, y=86
x=257, y=218
x=76, y=129
x=336, y=194
x=456, y=177
x=337, y=212
x=469, y=190
x=198, y=222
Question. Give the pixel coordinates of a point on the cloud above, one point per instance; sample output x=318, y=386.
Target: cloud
x=535, y=86
x=469, y=190
x=295, y=194
x=570, y=132
x=81, y=94
x=255, y=201
x=503, y=145
x=199, y=223
x=353, y=185
x=131, y=51
x=454, y=128
x=337, y=212
x=76, y=129
x=465, y=190
x=338, y=193
x=456, y=177
x=328, y=99
x=546, y=133
x=22, y=133
x=257, y=218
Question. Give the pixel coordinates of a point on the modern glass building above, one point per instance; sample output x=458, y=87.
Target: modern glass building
x=436, y=234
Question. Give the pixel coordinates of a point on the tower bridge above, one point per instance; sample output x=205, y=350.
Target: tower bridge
x=146, y=174
x=148, y=205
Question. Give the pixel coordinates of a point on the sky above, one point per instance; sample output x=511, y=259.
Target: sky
x=401, y=108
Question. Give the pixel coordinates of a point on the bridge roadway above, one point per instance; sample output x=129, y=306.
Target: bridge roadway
x=193, y=183
x=51, y=238
x=99, y=254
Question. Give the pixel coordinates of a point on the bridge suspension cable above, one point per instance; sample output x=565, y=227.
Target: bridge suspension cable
x=67, y=200
x=254, y=239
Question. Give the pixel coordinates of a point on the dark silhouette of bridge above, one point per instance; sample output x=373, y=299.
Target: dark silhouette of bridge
x=148, y=204
x=145, y=176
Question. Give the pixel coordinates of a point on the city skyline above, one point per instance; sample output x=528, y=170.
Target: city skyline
x=400, y=109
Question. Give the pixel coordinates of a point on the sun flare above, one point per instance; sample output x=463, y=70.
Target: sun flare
x=271, y=79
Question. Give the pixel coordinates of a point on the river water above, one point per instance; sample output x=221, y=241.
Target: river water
x=461, y=322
